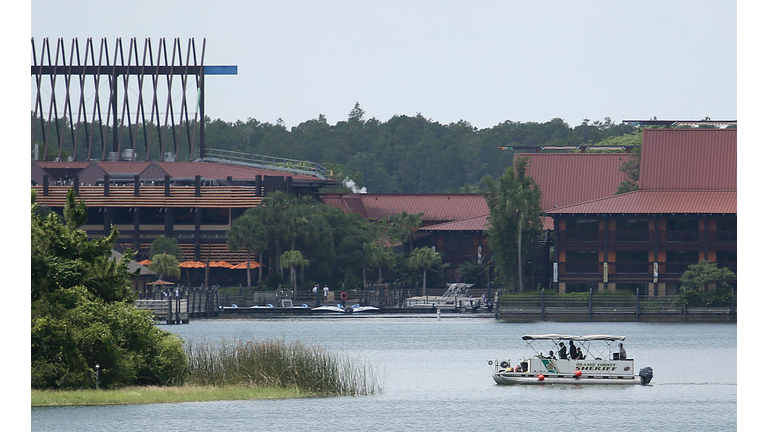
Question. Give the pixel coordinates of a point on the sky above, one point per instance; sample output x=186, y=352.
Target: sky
x=484, y=62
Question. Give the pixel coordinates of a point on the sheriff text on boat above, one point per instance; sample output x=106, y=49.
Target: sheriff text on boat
x=565, y=359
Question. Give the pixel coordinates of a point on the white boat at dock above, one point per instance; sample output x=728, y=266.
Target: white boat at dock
x=600, y=363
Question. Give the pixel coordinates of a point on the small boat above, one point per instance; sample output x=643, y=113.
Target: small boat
x=600, y=363
x=329, y=309
x=356, y=308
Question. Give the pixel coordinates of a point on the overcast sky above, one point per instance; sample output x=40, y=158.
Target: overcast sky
x=480, y=61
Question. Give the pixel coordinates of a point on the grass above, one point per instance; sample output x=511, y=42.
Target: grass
x=153, y=394
x=237, y=370
x=277, y=363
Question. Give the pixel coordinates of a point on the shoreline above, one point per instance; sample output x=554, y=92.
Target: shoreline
x=136, y=395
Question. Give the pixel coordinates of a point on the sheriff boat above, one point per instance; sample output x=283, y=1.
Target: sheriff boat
x=601, y=362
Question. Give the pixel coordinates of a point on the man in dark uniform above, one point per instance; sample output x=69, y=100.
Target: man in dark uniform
x=563, y=351
x=574, y=353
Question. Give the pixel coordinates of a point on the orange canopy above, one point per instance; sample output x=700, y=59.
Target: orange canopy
x=244, y=265
x=161, y=282
x=223, y=264
x=192, y=264
x=145, y=262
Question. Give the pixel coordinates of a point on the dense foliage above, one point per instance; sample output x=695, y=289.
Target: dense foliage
x=401, y=155
x=704, y=283
x=82, y=313
x=514, y=202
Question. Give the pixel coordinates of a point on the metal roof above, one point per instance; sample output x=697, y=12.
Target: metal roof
x=436, y=207
x=688, y=159
x=657, y=202
x=477, y=223
x=569, y=178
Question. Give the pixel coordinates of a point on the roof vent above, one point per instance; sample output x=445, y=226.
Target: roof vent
x=169, y=157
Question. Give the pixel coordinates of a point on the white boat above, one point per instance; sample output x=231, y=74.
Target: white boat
x=601, y=363
x=356, y=308
x=329, y=309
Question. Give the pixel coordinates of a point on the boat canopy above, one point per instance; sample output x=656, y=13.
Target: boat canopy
x=576, y=338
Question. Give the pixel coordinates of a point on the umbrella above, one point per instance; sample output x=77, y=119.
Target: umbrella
x=146, y=262
x=192, y=264
x=161, y=282
x=244, y=265
x=223, y=264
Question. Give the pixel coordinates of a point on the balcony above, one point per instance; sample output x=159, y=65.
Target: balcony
x=682, y=236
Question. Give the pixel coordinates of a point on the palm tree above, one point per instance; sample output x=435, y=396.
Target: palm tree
x=165, y=264
x=165, y=245
x=291, y=259
x=377, y=256
x=473, y=270
x=423, y=259
x=405, y=224
x=247, y=233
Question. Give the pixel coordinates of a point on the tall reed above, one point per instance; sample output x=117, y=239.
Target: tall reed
x=276, y=363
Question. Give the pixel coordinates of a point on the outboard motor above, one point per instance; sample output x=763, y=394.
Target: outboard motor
x=646, y=375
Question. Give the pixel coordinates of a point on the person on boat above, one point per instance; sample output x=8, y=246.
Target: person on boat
x=580, y=355
x=563, y=351
x=622, y=352
x=552, y=355
x=573, y=352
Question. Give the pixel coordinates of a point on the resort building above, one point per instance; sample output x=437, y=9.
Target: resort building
x=684, y=212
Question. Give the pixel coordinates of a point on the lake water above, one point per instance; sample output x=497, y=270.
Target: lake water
x=436, y=377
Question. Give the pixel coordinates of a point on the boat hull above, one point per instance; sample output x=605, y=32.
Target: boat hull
x=514, y=378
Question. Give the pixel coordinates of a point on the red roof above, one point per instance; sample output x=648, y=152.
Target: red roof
x=436, y=207
x=657, y=202
x=688, y=159
x=477, y=223
x=569, y=178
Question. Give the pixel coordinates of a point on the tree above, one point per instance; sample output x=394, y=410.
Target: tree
x=424, y=258
x=706, y=283
x=404, y=224
x=165, y=264
x=165, y=245
x=474, y=270
x=247, y=233
x=290, y=260
x=514, y=203
x=82, y=313
x=378, y=256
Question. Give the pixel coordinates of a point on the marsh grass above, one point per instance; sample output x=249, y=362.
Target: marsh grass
x=276, y=363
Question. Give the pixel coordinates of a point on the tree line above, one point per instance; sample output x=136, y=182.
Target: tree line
x=405, y=154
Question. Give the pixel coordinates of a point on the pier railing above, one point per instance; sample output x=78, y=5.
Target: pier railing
x=547, y=306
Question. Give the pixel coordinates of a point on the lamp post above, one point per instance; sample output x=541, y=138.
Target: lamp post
x=97, y=377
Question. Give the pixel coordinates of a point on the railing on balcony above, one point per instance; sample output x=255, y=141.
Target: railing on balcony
x=682, y=236
x=632, y=236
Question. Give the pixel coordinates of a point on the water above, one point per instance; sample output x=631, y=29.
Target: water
x=436, y=377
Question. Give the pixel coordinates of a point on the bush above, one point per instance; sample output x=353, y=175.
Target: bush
x=73, y=331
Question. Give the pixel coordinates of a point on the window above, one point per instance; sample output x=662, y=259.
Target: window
x=678, y=261
x=682, y=230
x=581, y=262
x=214, y=216
x=582, y=230
x=632, y=230
x=184, y=216
x=632, y=262
x=122, y=216
x=151, y=216
x=725, y=230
